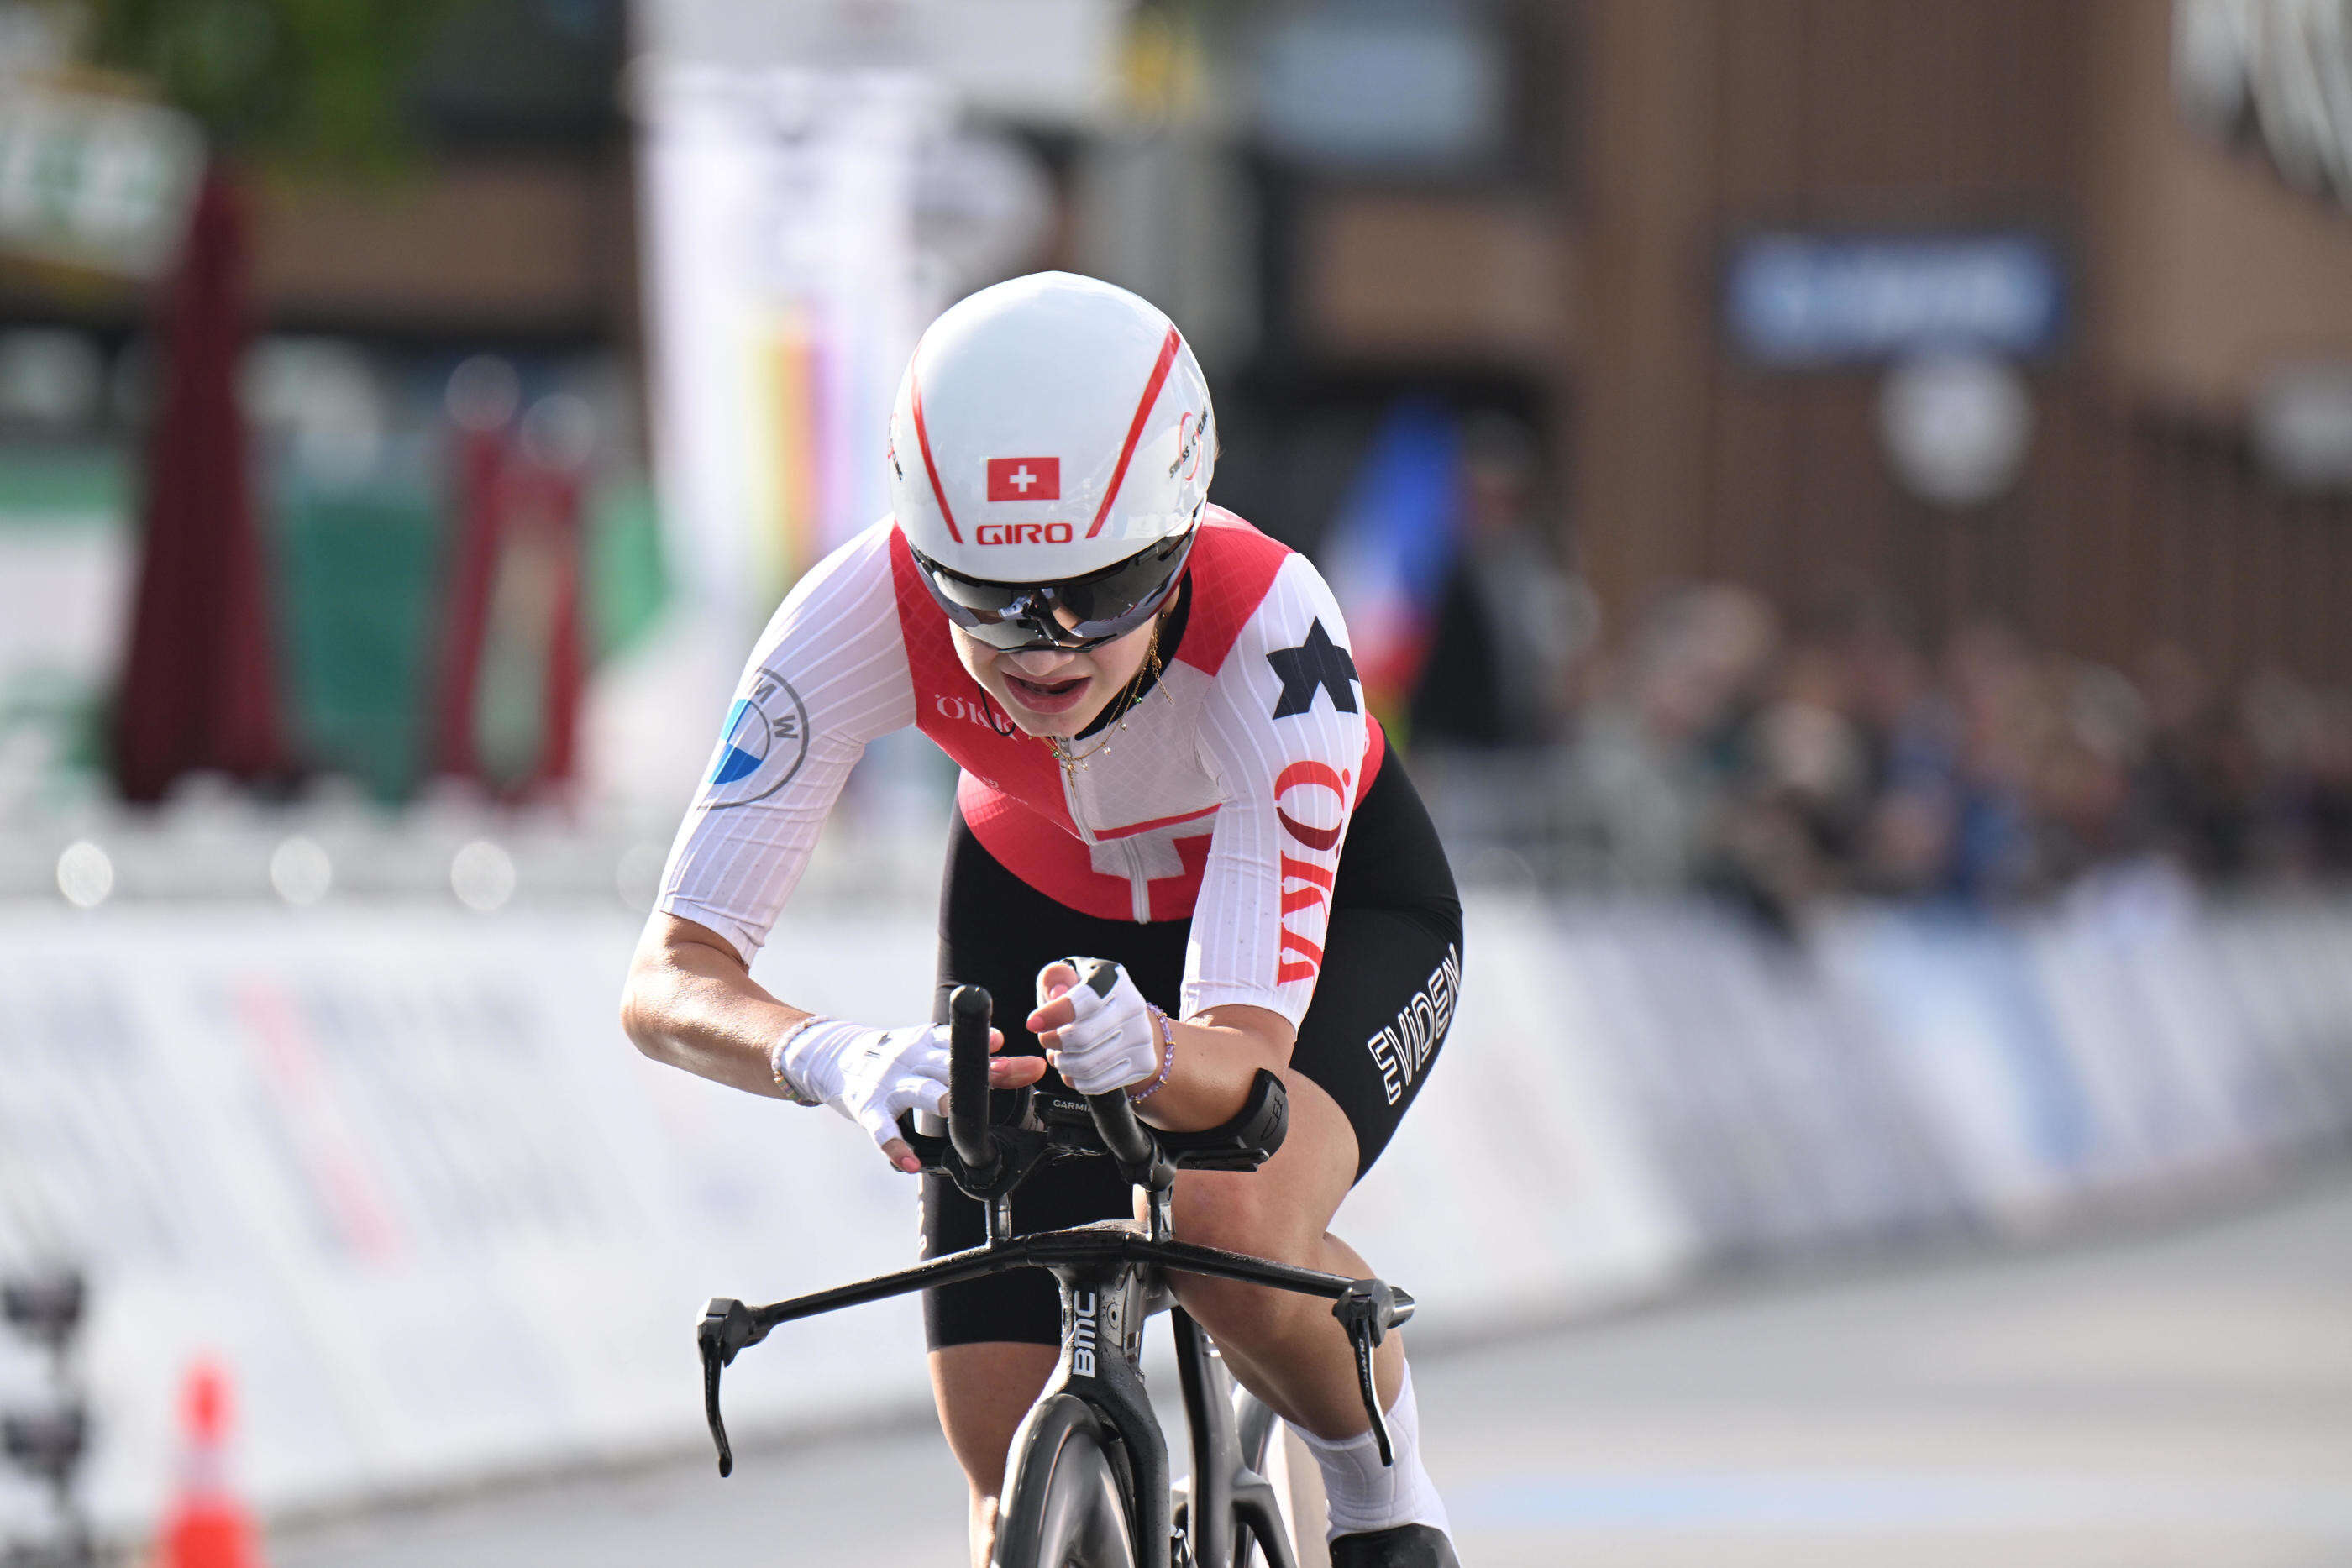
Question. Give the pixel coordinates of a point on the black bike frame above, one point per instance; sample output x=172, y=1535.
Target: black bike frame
x=1102, y=1272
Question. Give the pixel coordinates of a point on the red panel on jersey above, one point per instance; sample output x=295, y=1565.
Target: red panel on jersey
x=1025, y=478
x=1231, y=566
x=1011, y=793
x=959, y=718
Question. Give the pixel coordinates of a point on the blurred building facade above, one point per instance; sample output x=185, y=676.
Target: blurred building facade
x=2198, y=277
x=1988, y=313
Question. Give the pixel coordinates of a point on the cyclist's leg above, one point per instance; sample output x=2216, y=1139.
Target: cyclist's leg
x=1284, y=1346
x=983, y=1392
x=1383, y=1003
x=1382, y=1006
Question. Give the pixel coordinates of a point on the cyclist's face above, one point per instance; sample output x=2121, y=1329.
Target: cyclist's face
x=1056, y=691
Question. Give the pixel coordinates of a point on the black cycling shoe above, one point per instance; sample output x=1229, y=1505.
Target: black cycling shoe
x=1406, y=1546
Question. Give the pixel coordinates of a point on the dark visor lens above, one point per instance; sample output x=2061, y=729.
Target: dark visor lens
x=1086, y=610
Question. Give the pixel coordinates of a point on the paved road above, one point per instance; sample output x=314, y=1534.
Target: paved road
x=2182, y=1397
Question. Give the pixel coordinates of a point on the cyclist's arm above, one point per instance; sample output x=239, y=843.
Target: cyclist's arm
x=828, y=674
x=691, y=1002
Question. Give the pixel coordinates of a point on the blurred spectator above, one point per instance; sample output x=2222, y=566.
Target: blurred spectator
x=1511, y=620
x=1653, y=755
x=1844, y=762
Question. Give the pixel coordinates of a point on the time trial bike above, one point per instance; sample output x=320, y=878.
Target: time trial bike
x=1086, y=1483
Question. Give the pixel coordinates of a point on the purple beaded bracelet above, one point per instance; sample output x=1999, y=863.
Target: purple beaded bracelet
x=1167, y=1060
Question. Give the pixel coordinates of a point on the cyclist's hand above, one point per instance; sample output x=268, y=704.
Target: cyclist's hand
x=872, y=1075
x=1098, y=1041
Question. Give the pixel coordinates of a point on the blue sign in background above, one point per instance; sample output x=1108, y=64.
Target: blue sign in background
x=1808, y=300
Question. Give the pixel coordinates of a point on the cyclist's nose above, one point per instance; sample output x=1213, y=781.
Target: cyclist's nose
x=1044, y=663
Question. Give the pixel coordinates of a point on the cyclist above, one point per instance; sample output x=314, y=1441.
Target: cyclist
x=1166, y=764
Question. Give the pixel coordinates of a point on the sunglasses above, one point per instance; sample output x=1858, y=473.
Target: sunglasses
x=1080, y=612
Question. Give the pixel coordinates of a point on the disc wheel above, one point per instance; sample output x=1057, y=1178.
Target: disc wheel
x=1066, y=1500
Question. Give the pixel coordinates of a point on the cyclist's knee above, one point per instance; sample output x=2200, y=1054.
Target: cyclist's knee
x=1243, y=1214
x=1259, y=1217
x=1282, y=1210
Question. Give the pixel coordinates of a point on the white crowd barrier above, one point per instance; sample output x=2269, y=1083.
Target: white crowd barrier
x=399, y=1170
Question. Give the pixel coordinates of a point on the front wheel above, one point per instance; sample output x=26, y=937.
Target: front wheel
x=1065, y=1495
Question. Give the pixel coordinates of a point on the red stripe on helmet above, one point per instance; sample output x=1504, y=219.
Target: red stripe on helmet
x=923, y=440
x=1134, y=431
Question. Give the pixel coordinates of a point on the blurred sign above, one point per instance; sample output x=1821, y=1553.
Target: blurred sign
x=2302, y=426
x=1384, y=88
x=785, y=294
x=1043, y=62
x=94, y=181
x=1796, y=300
x=1956, y=427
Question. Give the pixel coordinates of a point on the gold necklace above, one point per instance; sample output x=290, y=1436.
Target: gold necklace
x=1072, y=761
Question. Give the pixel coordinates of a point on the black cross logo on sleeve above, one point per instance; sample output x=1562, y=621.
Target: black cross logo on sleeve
x=1316, y=664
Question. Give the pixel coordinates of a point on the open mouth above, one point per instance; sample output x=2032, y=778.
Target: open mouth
x=1047, y=697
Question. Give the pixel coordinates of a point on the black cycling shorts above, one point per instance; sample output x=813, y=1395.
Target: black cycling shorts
x=1391, y=964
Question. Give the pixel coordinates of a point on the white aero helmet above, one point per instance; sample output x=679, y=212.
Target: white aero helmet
x=1050, y=454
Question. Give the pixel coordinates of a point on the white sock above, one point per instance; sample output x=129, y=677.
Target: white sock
x=1364, y=1494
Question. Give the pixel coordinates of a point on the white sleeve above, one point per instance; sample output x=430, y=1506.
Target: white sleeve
x=828, y=674
x=1283, y=729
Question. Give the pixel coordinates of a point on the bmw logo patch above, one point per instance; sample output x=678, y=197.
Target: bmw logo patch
x=762, y=746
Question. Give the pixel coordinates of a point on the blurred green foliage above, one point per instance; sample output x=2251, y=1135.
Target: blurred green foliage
x=358, y=578
x=309, y=83
x=360, y=574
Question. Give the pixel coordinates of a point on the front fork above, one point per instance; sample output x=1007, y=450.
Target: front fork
x=1226, y=1483
x=1103, y=1309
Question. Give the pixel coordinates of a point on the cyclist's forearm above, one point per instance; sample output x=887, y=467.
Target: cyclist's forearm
x=1216, y=1061
x=695, y=1007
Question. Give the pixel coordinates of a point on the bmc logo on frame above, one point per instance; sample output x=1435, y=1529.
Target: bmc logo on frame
x=1021, y=534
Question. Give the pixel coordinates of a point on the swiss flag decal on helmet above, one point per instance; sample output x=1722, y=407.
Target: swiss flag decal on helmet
x=1025, y=478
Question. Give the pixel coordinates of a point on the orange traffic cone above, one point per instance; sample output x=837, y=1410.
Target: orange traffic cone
x=208, y=1526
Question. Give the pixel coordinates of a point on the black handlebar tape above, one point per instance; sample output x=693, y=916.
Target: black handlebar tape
x=968, y=1014
x=1123, y=1135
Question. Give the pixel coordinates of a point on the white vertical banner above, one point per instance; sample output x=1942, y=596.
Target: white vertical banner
x=784, y=298
x=783, y=295
x=810, y=198
x=704, y=167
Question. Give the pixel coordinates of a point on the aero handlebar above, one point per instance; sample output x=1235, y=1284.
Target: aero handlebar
x=968, y=1010
x=1130, y=1144
x=1135, y=1149
x=988, y=1161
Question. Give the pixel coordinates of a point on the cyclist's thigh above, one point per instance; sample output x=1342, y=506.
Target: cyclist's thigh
x=1382, y=1006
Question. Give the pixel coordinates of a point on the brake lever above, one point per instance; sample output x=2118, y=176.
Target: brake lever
x=1367, y=1308
x=727, y=1326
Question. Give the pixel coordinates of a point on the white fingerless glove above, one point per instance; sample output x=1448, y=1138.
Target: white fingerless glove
x=1114, y=1041
x=869, y=1075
